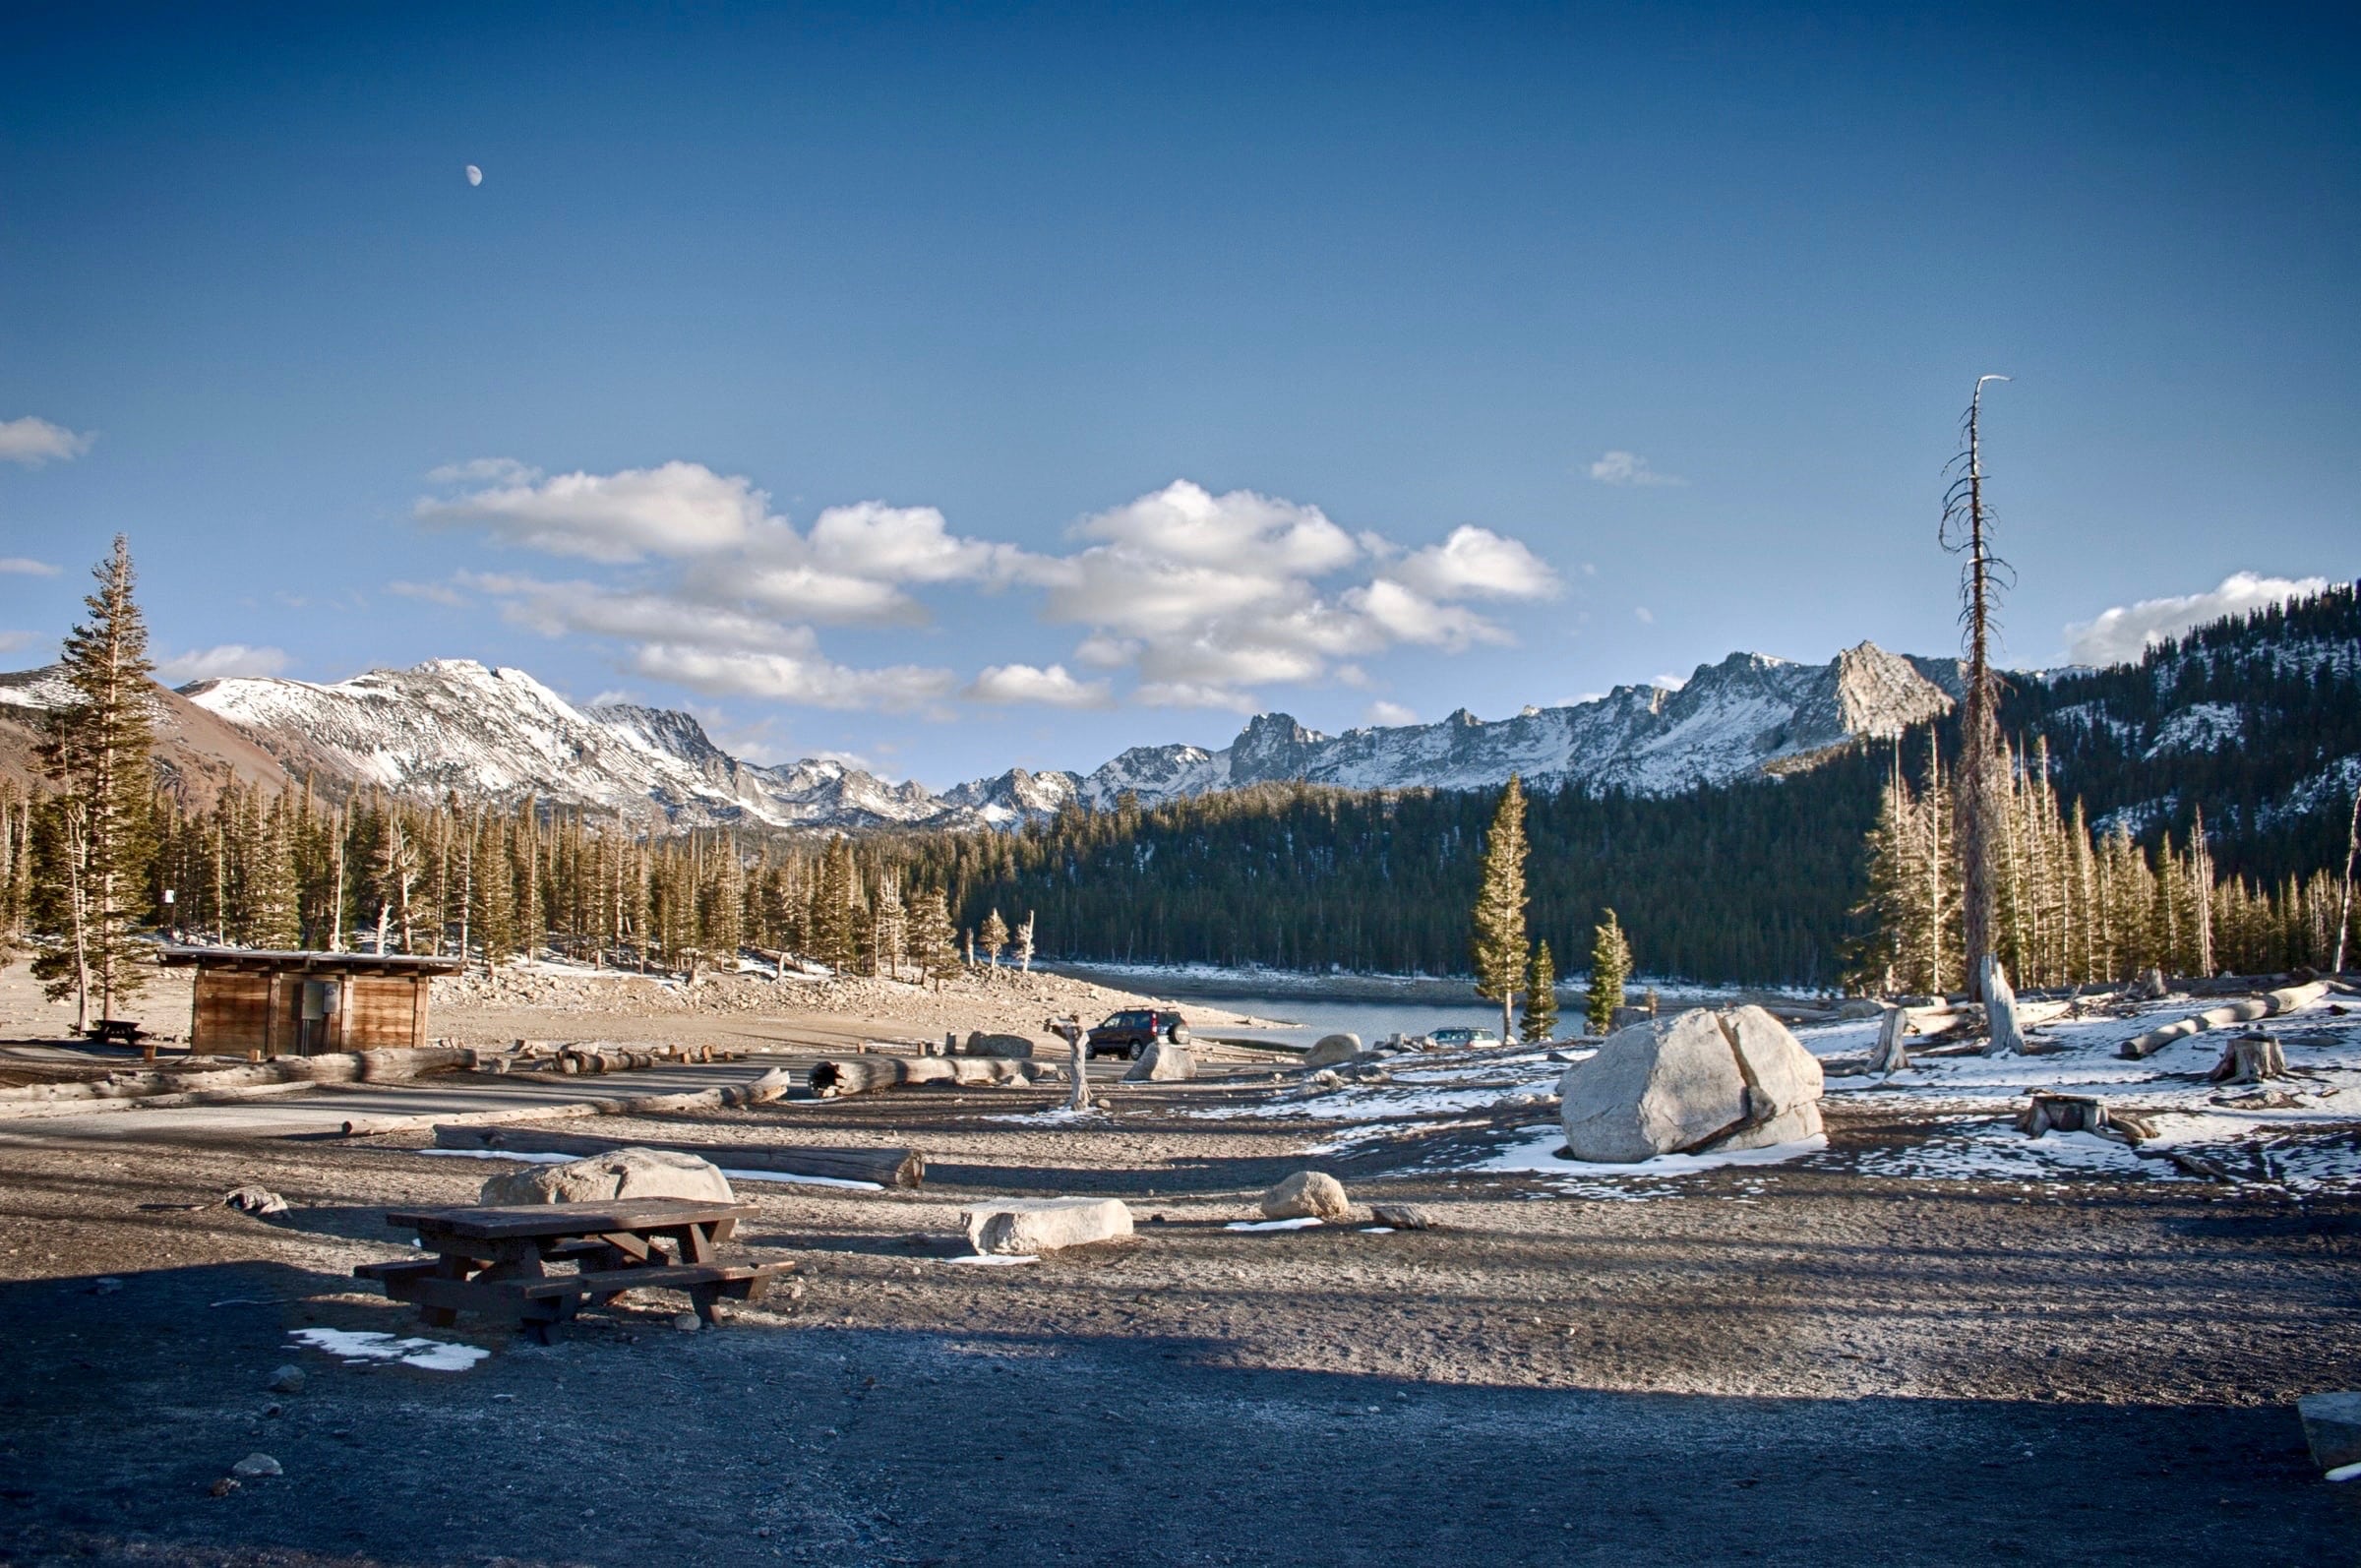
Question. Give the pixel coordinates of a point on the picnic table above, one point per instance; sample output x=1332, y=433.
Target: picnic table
x=497, y=1261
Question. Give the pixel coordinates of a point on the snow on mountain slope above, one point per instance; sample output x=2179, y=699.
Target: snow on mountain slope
x=196, y=753
x=1748, y=713
x=454, y=724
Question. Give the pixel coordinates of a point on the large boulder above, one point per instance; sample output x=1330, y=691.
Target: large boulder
x=617, y=1173
x=1694, y=1081
x=1016, y=1048
x=1162, y=1063
x=1307, y=1194
x=1024, y=1226
x=1330, y=1049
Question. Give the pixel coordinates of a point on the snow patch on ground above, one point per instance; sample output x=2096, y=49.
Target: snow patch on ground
x=356, y=1346
x=1537, y=1154
x=1304, y=1224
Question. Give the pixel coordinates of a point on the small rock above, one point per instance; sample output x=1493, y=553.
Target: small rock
x=255, y=1465
x=274, y=1412
x=260, y=1201
x=2332, y=1428
x=1307, y=1194
x=222, y=1488
x=1402, y=1216
x=286, y=1380
x=686, y=1322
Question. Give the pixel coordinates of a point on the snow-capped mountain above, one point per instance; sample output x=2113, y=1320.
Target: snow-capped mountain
x=454, y=724
x=1750, y=713
x=196, y=753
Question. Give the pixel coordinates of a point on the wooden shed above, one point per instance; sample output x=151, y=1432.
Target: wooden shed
x=303, y=1003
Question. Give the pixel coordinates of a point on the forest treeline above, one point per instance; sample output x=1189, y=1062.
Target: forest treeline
x=1802, y=880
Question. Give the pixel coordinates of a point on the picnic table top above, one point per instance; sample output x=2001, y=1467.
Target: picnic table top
x=569, y=1219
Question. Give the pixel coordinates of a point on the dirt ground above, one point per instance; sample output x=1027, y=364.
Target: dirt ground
x=1774, y=1364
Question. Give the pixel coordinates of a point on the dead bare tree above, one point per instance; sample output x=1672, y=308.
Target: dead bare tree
x=2344, y=896
x=1978, y=778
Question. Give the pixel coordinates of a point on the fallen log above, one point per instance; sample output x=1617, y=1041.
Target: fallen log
x=762, y=1091
x=2269, y=1005
x=838, y=1076
x=337, y=1066
x=888, y=1167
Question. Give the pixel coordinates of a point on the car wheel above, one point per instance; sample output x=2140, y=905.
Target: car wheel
x=1136, y=1052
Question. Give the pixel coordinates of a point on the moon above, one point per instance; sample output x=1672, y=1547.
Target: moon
x=475, y=176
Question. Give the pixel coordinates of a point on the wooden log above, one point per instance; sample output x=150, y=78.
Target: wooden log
x=838, y=1077
x=762, y=1091
x=890, y=1168
x=2247, y=1010
x=2048, y=1112
x=2249, y=1058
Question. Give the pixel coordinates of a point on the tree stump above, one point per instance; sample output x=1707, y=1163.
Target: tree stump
x=2000, y=1010
x=2076, y=1112
x=2249, y=1058
x=1889, y=1055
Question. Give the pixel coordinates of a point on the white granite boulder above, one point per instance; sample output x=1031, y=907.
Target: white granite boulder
x=1688, y=1083
x=1162, y=1063
x=1024, y=1226
x=1333, y=1049
x=1307, y=1194
x=616, y=1174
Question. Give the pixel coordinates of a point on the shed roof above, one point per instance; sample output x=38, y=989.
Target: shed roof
x=269, y=961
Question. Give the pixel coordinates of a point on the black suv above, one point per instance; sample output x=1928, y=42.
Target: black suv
x=1128, y=1033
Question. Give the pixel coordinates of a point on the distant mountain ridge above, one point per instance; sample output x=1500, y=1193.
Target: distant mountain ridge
x=484, y=732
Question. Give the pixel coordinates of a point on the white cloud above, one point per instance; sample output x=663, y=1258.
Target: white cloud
x=2120, y=636
x=677, y=509
x=431, y=592
x=11, y=641
x=1629, y=468
x=1669, y=682
x=25, y=567
x=1476, y=561
x=1051, y=688
x=1644, y=615
x=904, y=544
x=808, y=678
x=507, y=470
x=1187, y=695
x=1202, y=596
x=34, y=441
x=614, y=694
x=1385, y=713
x=555, y=609
x=216, y=663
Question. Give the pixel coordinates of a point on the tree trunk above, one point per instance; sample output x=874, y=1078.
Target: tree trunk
x=2249, y=1058
x=1891, y=1055
x=2000, y=1008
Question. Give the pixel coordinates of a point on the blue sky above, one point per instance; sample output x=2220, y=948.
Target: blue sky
x=959, y=388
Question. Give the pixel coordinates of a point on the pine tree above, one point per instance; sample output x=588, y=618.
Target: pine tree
x=933, y=941
x=1498, y=948
x=992, y=937
x=95, y=747
x=1541, y=995
x=493, y=912
x=1610, y=967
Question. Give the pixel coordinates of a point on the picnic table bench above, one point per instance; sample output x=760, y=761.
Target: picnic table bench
x=496, y=1261
x=117, y=1031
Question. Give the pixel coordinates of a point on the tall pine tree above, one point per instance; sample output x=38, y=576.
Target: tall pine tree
x=96, y=749
x=1498, y=948
x=1541, y=995
x=1610, y=967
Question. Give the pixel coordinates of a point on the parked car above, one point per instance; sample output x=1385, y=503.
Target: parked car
x=1458, y=1039
x=1128, y=1033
